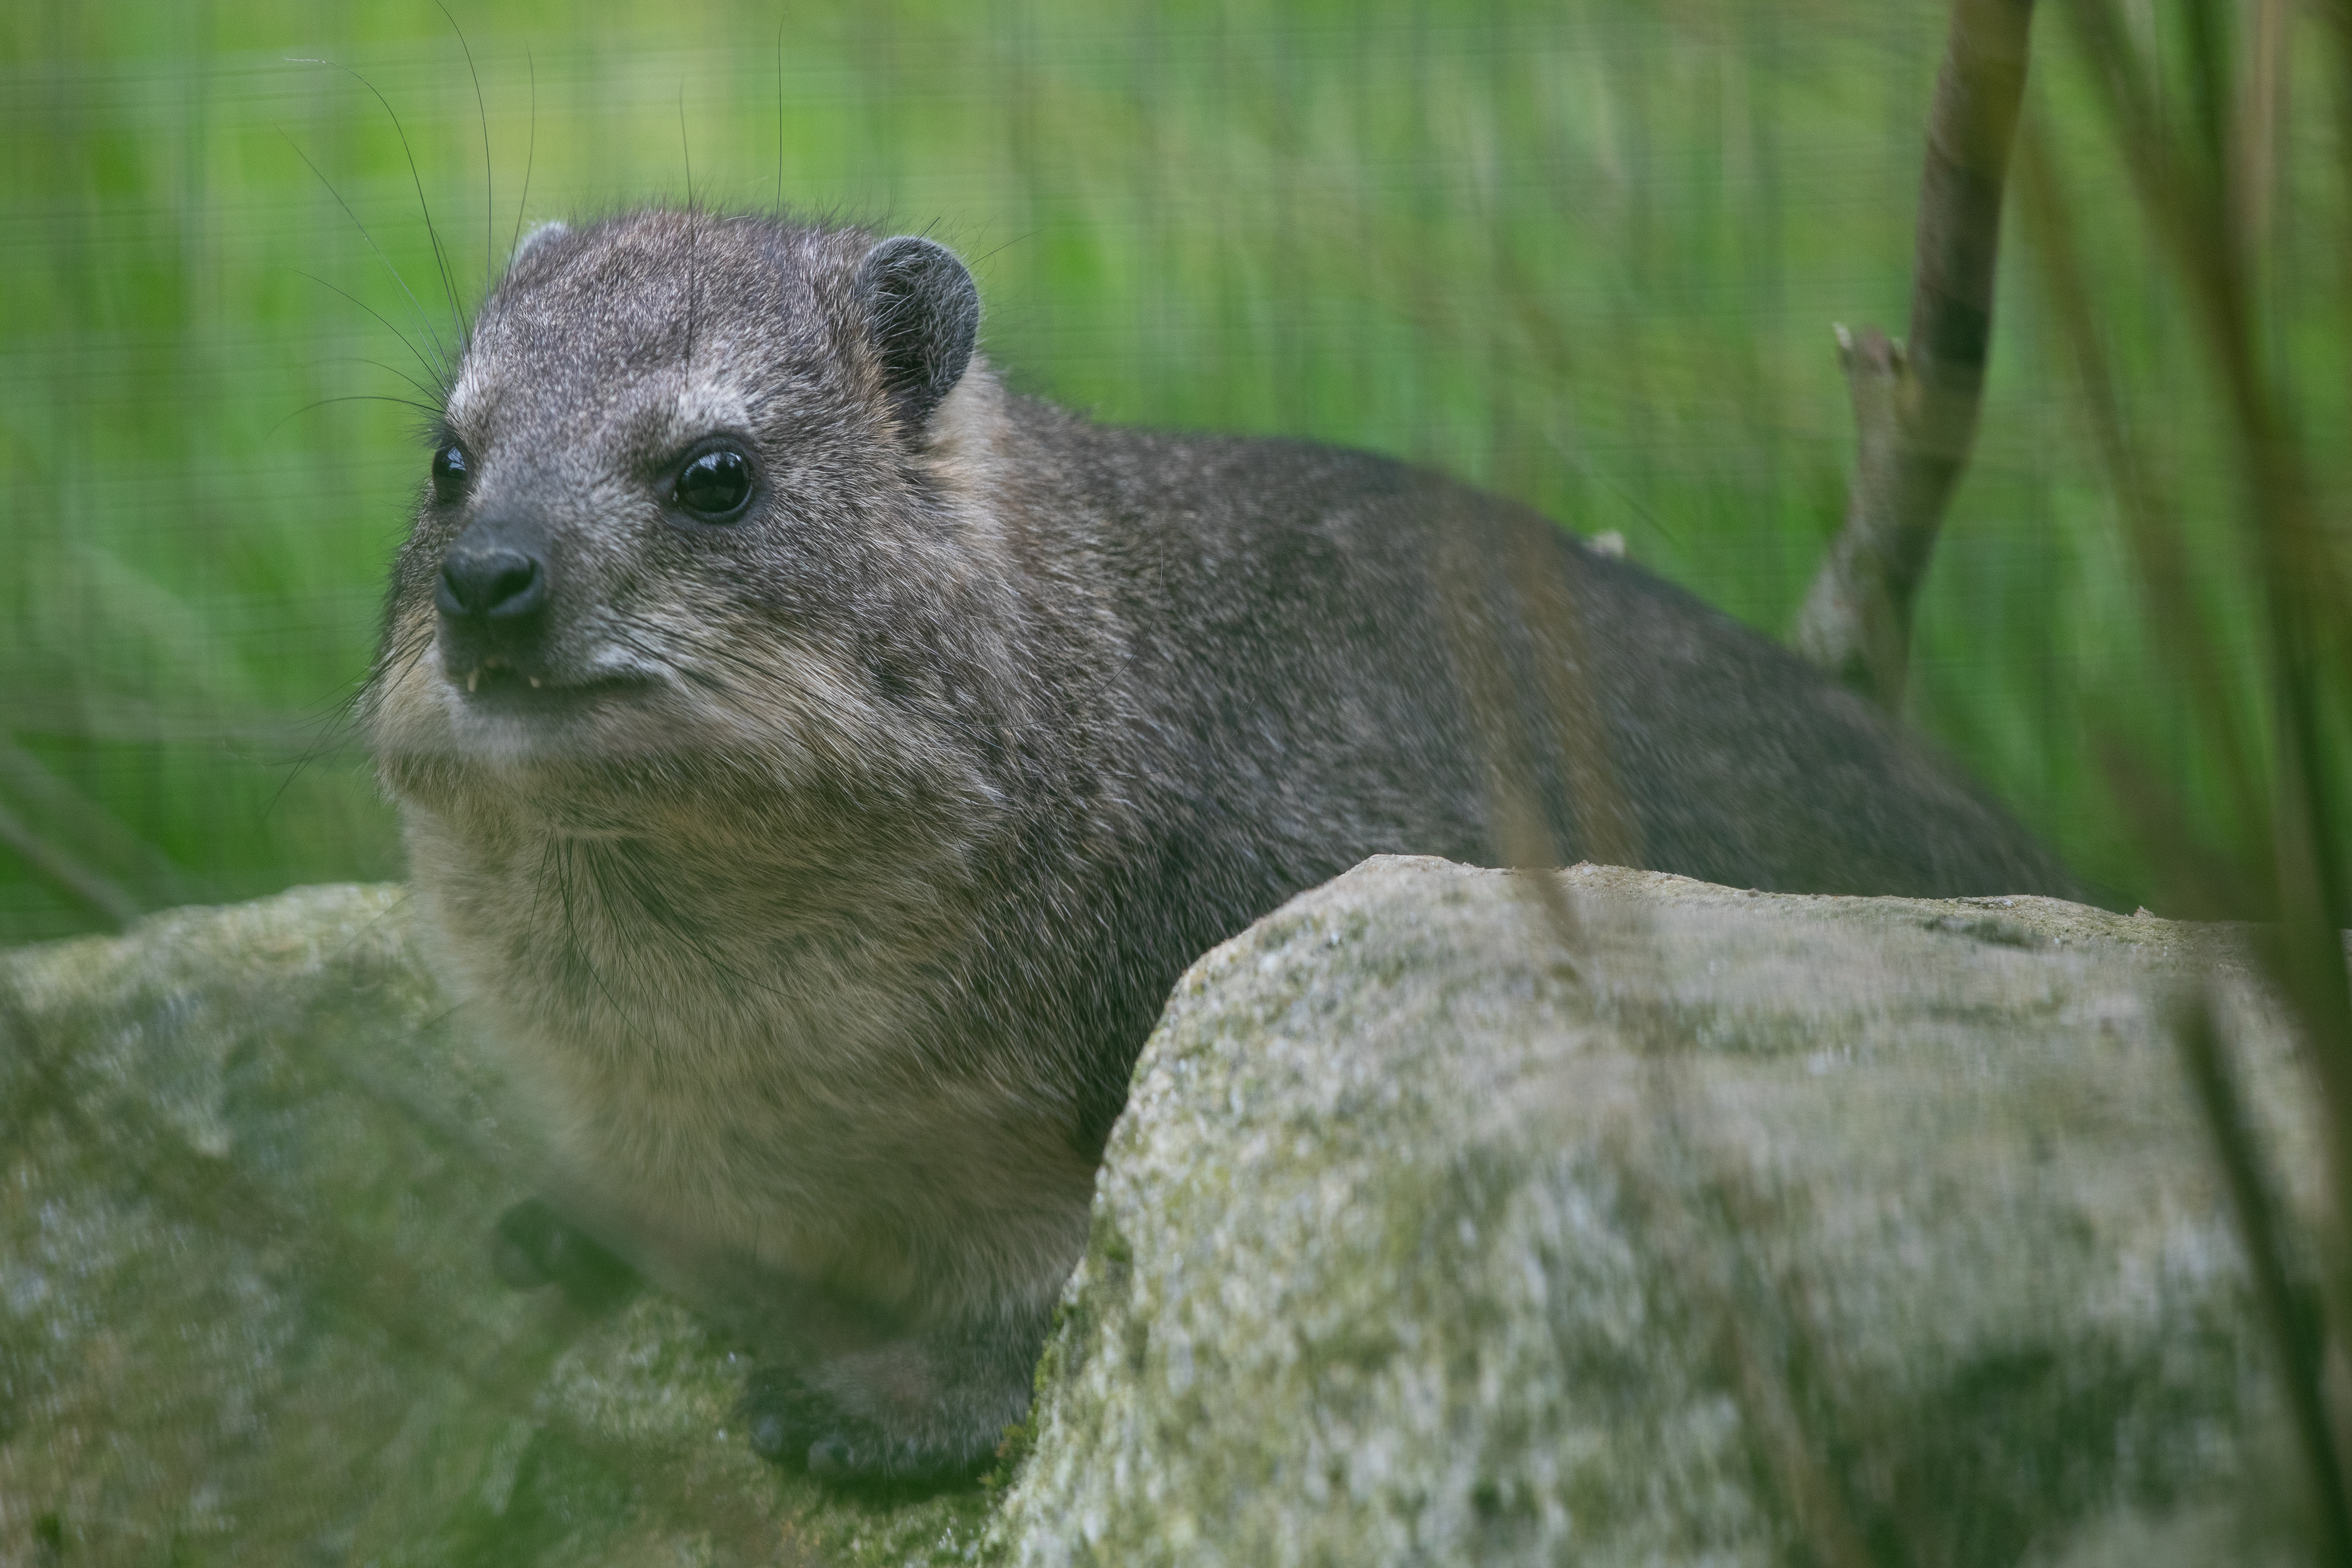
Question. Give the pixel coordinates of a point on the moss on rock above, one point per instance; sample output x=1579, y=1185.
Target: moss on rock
x=250, y=1164
x=1423, y=1240
x=1749, y=1222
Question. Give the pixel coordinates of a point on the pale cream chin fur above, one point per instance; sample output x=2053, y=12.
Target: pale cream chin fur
x=722, y=1117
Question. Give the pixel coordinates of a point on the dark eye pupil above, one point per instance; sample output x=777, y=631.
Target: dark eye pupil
x=714, y=483
x=448, y=472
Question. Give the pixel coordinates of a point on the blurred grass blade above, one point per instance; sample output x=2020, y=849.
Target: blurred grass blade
x=2295, y=1331
x=72, y=878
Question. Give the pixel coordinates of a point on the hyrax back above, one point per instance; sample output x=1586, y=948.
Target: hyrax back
x=817, y=764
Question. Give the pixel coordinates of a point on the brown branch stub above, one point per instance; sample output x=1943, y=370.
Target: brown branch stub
x=1916, y=404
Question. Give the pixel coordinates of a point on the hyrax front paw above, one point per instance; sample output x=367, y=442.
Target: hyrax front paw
x=800, y=1427
x=923, y=1409
x=534, y=1246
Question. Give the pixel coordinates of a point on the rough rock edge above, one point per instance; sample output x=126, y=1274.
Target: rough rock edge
x=1052, y=1519
x=312, y=937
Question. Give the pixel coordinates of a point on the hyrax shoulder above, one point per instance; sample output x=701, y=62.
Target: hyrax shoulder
x=817, y=764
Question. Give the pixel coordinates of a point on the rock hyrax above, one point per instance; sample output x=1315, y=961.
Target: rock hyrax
x=818, y=763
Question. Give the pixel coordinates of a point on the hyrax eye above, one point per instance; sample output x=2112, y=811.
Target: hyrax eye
x=715, y=485
x=449, y=473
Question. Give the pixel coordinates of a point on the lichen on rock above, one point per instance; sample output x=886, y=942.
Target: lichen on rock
x=251, y=1165
x=1425, y=1238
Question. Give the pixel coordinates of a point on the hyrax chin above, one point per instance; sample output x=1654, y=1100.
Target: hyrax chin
x=818, y=763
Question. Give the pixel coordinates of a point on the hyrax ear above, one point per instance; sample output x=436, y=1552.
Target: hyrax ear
x=554, y=228
x=922, y=312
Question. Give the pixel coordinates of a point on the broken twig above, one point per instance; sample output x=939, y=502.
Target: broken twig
x=1916, y=404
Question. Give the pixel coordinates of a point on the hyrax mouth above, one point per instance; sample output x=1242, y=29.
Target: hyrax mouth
x=500, y=673
x=495, y=607
x=498, y=681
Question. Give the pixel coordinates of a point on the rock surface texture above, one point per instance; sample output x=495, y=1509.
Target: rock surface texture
x=1744, y=1227
x=1737, y=1229
x=246, y=1308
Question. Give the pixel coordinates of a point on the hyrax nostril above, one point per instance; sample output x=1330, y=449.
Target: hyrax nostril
x=494, y=585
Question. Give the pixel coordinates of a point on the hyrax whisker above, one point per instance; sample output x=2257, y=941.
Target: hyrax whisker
x=427, y=365
x=439, y=364
x=482, y=113
x=432, y=234
x=530, y=151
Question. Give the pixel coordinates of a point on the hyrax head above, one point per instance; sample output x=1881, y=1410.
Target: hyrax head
x=684, y=519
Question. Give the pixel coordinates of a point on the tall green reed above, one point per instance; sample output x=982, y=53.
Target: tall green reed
x=1587, y=253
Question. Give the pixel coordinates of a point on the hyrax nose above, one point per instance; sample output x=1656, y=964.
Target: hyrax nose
x=490, y=586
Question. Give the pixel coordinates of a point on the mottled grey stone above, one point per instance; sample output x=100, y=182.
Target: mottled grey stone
x=247, y=1170
x=1427, y=1239
x=1738, y=1227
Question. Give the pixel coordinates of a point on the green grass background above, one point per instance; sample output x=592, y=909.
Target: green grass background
x=1588, y=252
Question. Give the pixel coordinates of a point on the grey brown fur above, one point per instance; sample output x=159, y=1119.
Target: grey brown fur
x=823, y=868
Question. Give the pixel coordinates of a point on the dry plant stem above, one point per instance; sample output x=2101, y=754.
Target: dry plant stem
x=2180, y=178
x=2168, y=573
x=2256, y=1208
x=2181, y=190
x=1740, y=1302
x=2336, y=16
x=1568, y=720
x=1915, y=406
x=1608, y=832
x=2260, y=120
x=1482, y=667
x=1825, y=1521
x=1711, y=1241
x=69, y=875
x=102, y=839
x=2183, y=165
